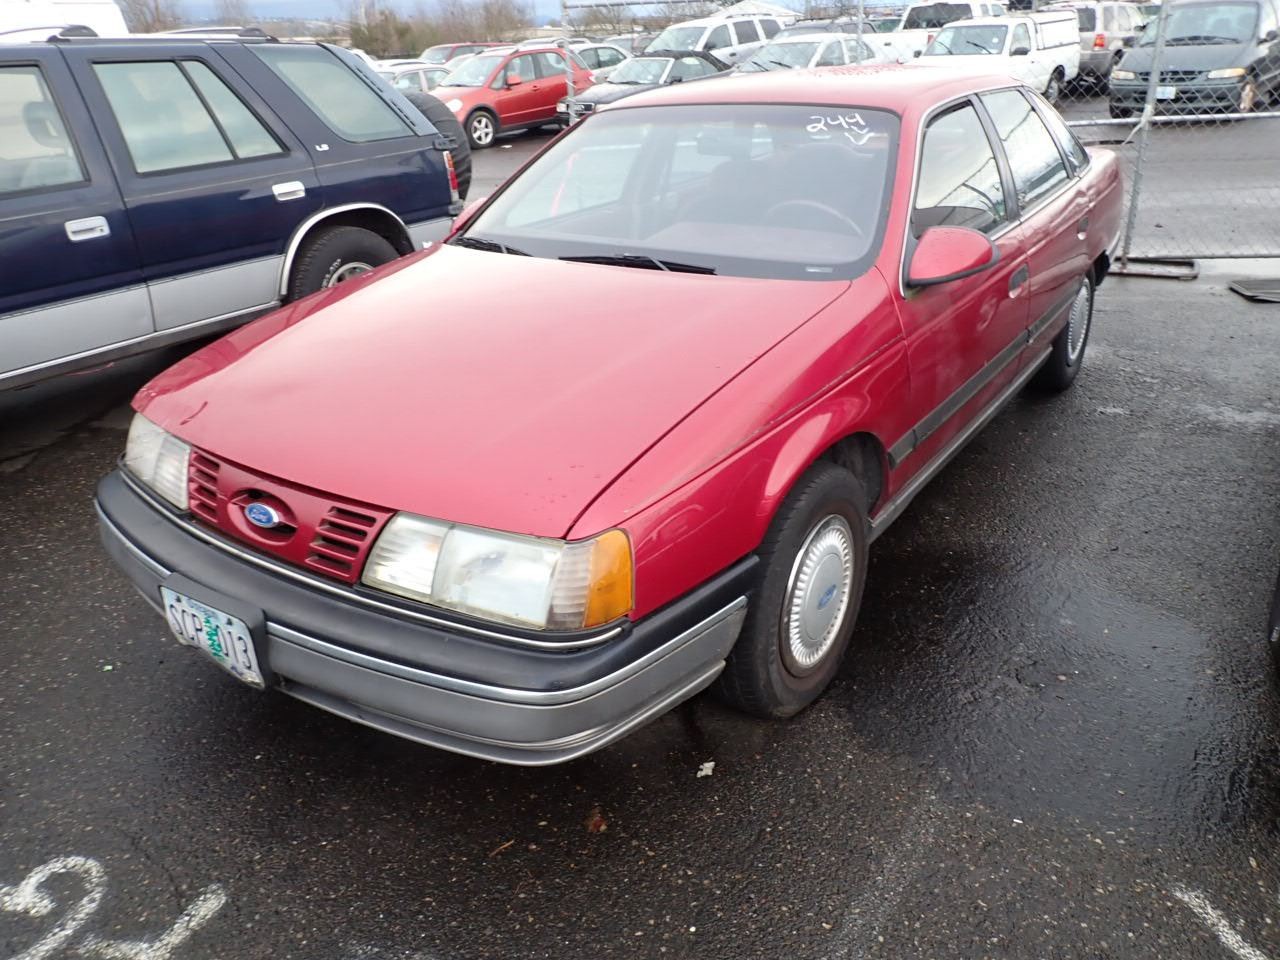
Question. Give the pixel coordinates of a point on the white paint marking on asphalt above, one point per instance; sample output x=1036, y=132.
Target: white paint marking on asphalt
x=28, y=898
x=193, y=918
x=1219, y=924
x=870, y=908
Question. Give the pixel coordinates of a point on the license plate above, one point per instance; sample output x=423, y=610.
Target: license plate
x=225, y=639
x=1166, y=93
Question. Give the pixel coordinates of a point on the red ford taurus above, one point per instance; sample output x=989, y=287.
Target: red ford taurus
x=630, y=432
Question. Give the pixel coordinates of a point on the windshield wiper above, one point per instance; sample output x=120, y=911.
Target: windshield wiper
x=642, y=261
x=779, y=63
x=974, y=43
x=480, y=243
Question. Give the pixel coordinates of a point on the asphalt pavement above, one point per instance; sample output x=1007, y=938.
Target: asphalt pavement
x=1057, y=734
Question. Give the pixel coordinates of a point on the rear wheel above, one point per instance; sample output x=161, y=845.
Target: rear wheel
x=333, y=256
x=1053, y=89
x=813, y=564
x=1063, y=365
x=482, y=129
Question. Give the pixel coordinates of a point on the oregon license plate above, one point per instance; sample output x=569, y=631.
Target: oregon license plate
x=225, y=639
x=1166, y=93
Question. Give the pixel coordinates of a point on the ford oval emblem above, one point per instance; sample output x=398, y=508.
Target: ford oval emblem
x=260, y=515
x=827, y=596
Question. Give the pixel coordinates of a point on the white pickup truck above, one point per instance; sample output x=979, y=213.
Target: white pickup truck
x=1040, y=49
x=921, y=22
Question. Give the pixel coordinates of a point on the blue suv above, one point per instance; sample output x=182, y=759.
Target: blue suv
x=156, y=190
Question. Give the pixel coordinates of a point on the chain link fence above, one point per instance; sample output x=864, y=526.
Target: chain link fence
x=1190, y=102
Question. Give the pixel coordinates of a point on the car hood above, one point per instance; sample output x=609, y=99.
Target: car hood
x=609, y=92
x=500, y=391
x=1201, y=57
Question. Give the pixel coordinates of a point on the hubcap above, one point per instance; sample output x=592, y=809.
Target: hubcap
x=1078, y=324
x=817, y=598
x=481, y=129
x=346, y=272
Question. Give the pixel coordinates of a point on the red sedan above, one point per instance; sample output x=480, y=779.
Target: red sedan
x=506, y=90
x=630, y=432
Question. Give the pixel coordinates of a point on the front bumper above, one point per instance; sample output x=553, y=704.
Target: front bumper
x=378, y=664
x=1190, y=96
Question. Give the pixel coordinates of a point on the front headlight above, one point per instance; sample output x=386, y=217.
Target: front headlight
x=158, y=459
x=525, y=581
x=453, y=105
x=1118, y=74
x=1226, y=73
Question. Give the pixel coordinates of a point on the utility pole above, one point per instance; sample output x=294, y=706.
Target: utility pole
x=568, y=64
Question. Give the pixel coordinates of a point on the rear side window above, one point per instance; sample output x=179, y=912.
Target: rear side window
x=770, y=28
x=1033, y=154
x=1088, y=19
x=343, y=101
x=35, y=151
x=1077, y=156
x=745, y=31
x=247, y=135
x=163, y=120
x=959, y=183
x=719, y=37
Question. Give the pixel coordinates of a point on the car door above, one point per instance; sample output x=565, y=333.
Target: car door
x=552, y=83
x=1053, y=207
x=70, y=280
x=214, y=184
x=1029, y=67
x=517, y=104
x=964, y=338
x=719, y=41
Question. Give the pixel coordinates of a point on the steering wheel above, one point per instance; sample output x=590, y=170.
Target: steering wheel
x=820, y=207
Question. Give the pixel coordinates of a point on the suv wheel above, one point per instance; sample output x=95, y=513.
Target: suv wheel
x=482, y=128
x=333, y=256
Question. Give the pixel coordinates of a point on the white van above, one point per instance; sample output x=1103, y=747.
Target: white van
x=730, y=38
x=21, y=17
x=1040, y=49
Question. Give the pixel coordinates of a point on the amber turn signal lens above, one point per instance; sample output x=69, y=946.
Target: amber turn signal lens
x=611, y=593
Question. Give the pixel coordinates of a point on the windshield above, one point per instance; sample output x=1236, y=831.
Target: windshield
x=933, y=16
x=747, y=190
x=437, y=54
x=641, y=70
x=475, y=72
x=677, y=38
x=1197, y=23
x=968, y=41
x=781, y=56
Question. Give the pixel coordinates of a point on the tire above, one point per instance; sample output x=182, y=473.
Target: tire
x=1120, y=113
x=339, y=253
x=1053, y=89
x=823, y=518
x=442, y=119
x=482, y=129
x=1063, y=365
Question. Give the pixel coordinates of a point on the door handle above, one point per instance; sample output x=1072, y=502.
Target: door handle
x=90, y=228
x=1018, y=279
x=293, y=190
x=1082, y=228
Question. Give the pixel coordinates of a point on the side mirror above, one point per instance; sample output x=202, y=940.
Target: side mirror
x=514, y=79
x=469, y=211
x=1271, y=37
x=1020, y=51
x=917, y=53
x=944, y=254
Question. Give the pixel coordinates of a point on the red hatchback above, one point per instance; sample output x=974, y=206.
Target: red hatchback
x=521, y=533
x=495, y=92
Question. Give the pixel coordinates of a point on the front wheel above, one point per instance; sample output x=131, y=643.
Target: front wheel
x=1063, y=365
x=813, y=565
x=482, y=129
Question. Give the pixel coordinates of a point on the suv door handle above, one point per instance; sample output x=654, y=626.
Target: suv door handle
x=1082, y=228
x=293, y=190
x=1019, y=278
x=90, y=228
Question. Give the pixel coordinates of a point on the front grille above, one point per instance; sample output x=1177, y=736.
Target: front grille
x=316, y=531
x=340, y=543
x=1171, y=76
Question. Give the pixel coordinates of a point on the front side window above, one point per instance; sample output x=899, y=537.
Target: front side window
x=549, y=64
x=1033, y=155
x=832, y=55
x=1021, y=38
x=719, y=38
x=524, y=67
x=608, y=57
x=779, y=191
x=35, y=150
x=959, y=181
x=166, y=125
x=968, y=41
x=342, y=101
x=745, y=31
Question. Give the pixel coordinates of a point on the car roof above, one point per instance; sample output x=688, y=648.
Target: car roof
x=892, y=86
